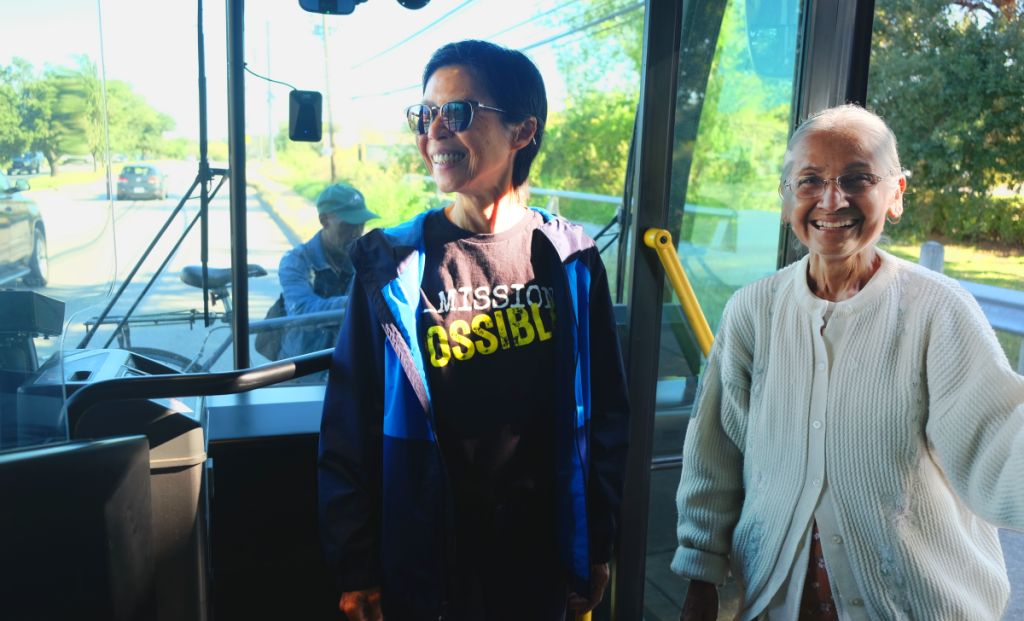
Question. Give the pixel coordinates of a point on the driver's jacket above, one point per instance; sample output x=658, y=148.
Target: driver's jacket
x=385, y=504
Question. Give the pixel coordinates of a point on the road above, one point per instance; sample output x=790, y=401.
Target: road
x=87, y=248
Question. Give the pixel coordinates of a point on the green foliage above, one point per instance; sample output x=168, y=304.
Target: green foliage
x=13, y=140
x=608, y=56
x=949, y=82
x=136, y=128
x=963, y=217
x=216, y=151
x=585, y=150
x=744, y=127
x=59, y=110
x=388, y=193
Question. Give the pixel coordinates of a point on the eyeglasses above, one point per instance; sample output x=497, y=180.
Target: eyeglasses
x=851, y=184
x=456, y=116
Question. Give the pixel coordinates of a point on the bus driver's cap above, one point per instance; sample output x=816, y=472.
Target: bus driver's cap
x=345, y=202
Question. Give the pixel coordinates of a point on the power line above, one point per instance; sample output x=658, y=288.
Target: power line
x=407, y=39
x=628, y=9
x=591, y=24
x=532, y=19
x=594, y=34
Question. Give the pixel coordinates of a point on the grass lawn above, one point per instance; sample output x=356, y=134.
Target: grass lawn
x=990, y=267
x=66, y=178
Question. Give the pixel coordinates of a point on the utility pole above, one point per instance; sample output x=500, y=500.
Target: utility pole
x=330, y=115
x=270, y=97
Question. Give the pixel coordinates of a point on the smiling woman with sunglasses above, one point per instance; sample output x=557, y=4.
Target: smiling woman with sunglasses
x=474, y=433
x=858, y=433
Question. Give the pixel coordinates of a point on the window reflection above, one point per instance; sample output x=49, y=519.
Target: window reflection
x=732, y=122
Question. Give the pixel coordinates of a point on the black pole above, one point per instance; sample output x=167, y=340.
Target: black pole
x=236, y=185
x=663, y=30
x=204, y=174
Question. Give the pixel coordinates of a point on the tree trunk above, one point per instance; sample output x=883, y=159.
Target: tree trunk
x=52, y=158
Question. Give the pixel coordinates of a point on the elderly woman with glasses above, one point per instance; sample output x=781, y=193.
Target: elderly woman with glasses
x=473, y=442
x=859, y=433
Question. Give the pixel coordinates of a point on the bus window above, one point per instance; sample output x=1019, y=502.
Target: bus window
x=732, y=123
x=369, y=66
x=57, y=258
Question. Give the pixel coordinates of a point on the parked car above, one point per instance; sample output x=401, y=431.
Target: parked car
x=27, y=163
x=118, y=157
x=22, y=236
x=77, y=159
x=141, y=181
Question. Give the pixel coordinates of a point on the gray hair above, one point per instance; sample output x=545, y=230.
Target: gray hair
x=853, y=119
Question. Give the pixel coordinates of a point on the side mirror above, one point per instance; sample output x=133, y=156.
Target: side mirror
x=330, y=7
x=22, y=185
x=305, y=114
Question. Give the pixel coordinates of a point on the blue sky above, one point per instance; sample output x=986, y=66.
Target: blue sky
x=152, y=46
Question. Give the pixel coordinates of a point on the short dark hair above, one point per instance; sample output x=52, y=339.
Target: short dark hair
x=511, y=78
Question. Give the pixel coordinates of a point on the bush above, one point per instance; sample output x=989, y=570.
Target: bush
x=962, y=216
x=388, y=193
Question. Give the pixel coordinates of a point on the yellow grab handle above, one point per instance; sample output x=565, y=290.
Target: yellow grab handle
x=661, y=241
x=583, y=617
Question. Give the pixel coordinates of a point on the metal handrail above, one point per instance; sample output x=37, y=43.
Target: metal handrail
x=193, y=384
x=661, y=241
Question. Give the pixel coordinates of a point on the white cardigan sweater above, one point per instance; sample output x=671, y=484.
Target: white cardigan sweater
x=924, y=446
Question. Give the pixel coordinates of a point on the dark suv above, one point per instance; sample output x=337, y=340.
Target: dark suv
x=27, y=163
x=22, y=236
x=141, y=181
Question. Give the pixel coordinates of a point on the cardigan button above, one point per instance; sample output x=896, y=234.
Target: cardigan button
x=817, y=482
x=857, y=601
x=821, y=366
x=837, y=539
x=816, y=424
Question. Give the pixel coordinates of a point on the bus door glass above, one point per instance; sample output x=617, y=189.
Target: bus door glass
x=57, y=246
x=732, y=120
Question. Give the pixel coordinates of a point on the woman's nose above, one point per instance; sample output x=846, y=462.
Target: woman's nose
x=833, y=198
x=437, y=130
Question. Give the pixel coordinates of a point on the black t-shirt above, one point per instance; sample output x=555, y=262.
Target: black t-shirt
x=487, y=332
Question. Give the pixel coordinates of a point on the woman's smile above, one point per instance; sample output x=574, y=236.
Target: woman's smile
x=832, y=226
x=447, y=159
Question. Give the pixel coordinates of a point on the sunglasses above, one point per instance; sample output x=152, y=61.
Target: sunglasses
x=456, y=116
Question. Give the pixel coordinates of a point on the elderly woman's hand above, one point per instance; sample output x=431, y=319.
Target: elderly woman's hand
x=701, y=602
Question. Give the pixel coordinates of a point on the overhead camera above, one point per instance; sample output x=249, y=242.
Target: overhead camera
x=345, y=7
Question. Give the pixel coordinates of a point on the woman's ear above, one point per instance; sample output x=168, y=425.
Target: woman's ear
x=524, y=135
x=896, y=210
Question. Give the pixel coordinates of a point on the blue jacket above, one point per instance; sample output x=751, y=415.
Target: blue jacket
x=311, y=285
x=385, y=506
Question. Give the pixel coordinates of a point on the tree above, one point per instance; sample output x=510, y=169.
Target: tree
x=94, y=111
x=51, y=108
x=135, y=126
x=13, y=141
x=950, y=83
x=947, y=77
